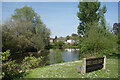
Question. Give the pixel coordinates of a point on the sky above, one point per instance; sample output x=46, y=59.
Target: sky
x=60, y=17
x=119, y=12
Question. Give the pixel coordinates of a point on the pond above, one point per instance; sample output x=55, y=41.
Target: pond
x=51, y=56
x=66, y=55
x=70, y=55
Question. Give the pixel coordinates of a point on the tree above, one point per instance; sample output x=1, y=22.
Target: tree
x=101, y=17
x=75, y=38
x=116, y=28
x=16, y=36
x=41, y=38
x=55, y=39
x=98, y=38
x=41, y=33
x=89, y=12
x=59, y=44
x=25, y=31
x=67, y=37
x=27, y=14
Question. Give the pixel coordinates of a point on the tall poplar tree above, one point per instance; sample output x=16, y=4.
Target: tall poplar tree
x=90, y=12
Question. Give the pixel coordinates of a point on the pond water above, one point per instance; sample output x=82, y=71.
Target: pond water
x=66, y=55
x=70, y=55
x=51, y=56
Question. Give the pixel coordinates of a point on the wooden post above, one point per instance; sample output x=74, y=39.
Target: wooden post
x=104, y=64
x=83, y=71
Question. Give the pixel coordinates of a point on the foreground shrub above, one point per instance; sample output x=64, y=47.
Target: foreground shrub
x=30, y=63
x=5, y=56
x=12, y=70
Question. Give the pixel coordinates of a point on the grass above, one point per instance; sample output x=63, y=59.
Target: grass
x=69, y=70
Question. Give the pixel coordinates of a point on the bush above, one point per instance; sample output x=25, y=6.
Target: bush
x=99, y=39
x=4, y=58
x=11, y=70
x=30, y=63
x=5, y=55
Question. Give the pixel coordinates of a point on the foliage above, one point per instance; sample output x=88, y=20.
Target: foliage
x=30, y=63
x=75, y=38
x=74, y=47
x=11, y=70
x=55, y=56
x=67, y=37
x=5, y=55
x=25, y=32
x=41, y=38
x=59, y=44
x=100, y=39
x=4, y=58
x=55, y=39
x=52, y=45
x=27, y=14
x=116, y=28
x=89, y=12
x=17, y=36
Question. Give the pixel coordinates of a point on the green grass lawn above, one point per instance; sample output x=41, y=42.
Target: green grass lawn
x=69, y=70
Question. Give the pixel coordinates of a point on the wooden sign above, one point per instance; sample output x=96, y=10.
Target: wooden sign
x=92, y=64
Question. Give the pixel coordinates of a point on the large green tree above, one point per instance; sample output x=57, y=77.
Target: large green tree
x=17, y=36
x=89, y=12
x=27, y=14
x=25, y=31
x=98, y=38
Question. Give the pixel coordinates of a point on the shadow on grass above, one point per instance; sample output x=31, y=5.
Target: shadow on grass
x=113, y=56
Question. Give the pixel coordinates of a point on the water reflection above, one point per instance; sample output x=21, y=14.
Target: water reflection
x=71, y=50
x=70, y=55
x=66, y=55
x=51, y=56
x=55, y=56
x=19, y=57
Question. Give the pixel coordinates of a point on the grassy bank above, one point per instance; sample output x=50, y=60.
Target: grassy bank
x=69, y=70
